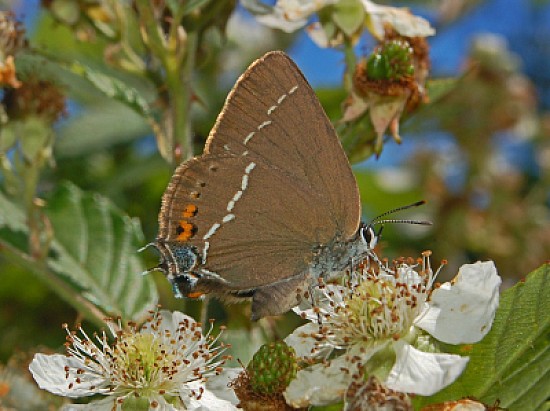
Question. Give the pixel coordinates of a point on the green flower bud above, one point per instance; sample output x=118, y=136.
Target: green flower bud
x=391, y=61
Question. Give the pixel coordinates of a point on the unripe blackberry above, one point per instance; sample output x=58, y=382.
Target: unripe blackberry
x=391, y=61
x=272, y=368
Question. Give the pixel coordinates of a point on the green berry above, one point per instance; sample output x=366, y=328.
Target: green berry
x=272, y=368
x=391, y=61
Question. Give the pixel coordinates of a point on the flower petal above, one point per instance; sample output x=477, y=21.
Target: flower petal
x=290, y=15
x=470, y=302
x=303, y=341
x=208, y=400
x=276, y=20
x=170, y=323
x=49, y=373
x=423, y=373
x=319, y=384
x=403, y=21
x=322, y=302
x=218, y=384
x=318, y=35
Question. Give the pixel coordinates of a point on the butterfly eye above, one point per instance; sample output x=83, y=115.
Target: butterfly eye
x=369, y=236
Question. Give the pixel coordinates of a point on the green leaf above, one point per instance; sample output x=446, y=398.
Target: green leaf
x=113, y=88
x=100, y=127
x=95, y=247
x=512, y=363
x=93, y=253
x=12, y=217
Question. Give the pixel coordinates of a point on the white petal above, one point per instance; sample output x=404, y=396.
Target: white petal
x=208, y=401
x=423, y=373
x=319, y=384
x=298, y=9
x=218, y=384
x=171, y=322
x=291, y=15
x=400, y=19
x=302, y=341
x=277, y=21
x=462, y=312
x=105, y=404
x=49, y=373
x=318, y=35
x=322, y=302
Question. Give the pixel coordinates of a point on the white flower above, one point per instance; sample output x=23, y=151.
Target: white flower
x=291, y=15
x=162, y=365
x=400, y=19
x=375, y=323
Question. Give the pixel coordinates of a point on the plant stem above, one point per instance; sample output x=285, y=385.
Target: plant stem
x=32, y=175
x=350, y=59
x=178, y=80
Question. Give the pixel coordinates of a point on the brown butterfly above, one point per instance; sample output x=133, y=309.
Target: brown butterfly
x=271, y=204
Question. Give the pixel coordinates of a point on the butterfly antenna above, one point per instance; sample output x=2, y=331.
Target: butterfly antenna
x=161, y=267
x=146, y=246
x=398, y=221
x=377, y=219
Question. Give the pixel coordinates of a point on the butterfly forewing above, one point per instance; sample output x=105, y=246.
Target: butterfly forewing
x=273, y=114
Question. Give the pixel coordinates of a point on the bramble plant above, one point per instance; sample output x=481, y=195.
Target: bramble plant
x=101, y=99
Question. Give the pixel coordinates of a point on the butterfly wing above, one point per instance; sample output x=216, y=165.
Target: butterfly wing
x=272, y=185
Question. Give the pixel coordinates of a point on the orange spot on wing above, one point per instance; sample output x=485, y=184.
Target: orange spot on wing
x=190, y=210
x=185, y=230
x=195, y=294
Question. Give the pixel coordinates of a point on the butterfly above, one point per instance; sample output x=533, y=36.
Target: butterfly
x=271, y=205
